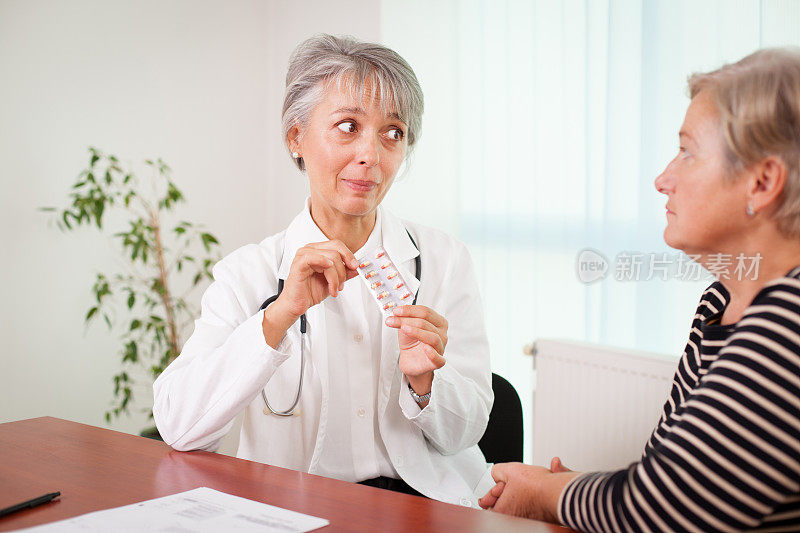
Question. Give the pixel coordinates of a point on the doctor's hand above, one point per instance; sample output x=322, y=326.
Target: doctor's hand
x=422, y=336
x=318, y=270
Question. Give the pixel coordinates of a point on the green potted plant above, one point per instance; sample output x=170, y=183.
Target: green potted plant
x=163, y=265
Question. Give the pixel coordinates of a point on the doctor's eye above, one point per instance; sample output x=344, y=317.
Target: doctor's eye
x=395, y=134
x=347, y=126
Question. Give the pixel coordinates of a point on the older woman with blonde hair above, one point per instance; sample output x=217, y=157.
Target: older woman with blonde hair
x=291, y=336
x=725, y=455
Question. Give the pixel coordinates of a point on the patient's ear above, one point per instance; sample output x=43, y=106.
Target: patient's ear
x=767, y=180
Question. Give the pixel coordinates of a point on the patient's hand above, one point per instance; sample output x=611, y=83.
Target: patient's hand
x=491, y=497
x=527, y=491
x=556, y=466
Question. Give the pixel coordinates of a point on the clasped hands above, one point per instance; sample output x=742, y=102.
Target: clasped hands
x=528, y=491
x=319, y=270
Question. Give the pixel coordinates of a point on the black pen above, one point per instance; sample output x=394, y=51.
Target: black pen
x=30, y=503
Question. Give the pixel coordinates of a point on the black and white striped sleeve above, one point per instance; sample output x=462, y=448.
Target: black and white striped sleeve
x=731, y=460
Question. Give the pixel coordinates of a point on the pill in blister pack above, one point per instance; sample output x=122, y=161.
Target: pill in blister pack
x=383, y=279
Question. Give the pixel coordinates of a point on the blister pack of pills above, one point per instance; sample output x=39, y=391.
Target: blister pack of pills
x=384, y=280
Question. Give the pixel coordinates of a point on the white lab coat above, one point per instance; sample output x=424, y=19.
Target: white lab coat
x=226, y=362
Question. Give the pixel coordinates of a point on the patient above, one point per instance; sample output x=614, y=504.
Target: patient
x=726, y=453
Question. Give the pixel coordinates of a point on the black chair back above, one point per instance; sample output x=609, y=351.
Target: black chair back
x=502, y=440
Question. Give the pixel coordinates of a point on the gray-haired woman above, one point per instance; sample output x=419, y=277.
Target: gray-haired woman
x=327, y=382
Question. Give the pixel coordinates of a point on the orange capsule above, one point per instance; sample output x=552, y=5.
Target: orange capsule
x=406, y=295
x=375, y=285
x=398, y=285
x=379, y=255
x=365, y=264
x=382, y=295
x=392, y=275
x=387, y=264
x=388, y=306
x=370, y=274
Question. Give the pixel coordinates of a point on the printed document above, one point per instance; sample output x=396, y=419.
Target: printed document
x=199, y=510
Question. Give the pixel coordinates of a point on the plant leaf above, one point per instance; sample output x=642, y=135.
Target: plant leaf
x=207, y=240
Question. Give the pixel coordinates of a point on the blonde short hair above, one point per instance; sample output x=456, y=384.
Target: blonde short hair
x=758, y=99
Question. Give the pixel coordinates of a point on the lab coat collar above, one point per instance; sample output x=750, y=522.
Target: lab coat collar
x=301, y=231
x=397, y=243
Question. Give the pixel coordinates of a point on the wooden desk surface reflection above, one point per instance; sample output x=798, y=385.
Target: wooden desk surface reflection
x=98, y=469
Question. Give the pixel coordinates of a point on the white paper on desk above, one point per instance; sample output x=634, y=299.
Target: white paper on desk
x=198, y=510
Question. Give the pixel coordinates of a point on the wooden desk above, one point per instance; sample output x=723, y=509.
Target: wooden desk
x=98, y=469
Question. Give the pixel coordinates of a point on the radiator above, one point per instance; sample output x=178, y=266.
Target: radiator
x=595, y=406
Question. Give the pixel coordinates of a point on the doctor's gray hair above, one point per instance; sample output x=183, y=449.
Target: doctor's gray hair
x=325, y=59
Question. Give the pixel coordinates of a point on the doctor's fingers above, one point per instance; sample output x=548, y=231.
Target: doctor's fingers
x=339, y=273
x=307, y=265
x=430, y=342
x=424, y=312
x=347, y=256
x=425, y=333
x=338, y=263
x=421, y=323
x=436, y=359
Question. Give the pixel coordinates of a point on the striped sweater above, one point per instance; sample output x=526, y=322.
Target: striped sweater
x=725, y=455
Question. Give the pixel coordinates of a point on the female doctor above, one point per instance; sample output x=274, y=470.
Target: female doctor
x=397, y=402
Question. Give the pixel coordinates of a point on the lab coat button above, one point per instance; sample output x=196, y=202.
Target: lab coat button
x=466, y=502
x=358, y=337
x=361, y=412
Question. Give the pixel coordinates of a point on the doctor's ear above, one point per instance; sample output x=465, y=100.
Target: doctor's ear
x=767, y=180
x=293, y=138
x=293, y=143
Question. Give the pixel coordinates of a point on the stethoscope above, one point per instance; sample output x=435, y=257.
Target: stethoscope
x=304, y=326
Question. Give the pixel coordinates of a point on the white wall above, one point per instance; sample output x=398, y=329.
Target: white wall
x=196, y=83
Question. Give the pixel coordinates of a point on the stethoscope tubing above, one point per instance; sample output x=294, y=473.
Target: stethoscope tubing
x=303, y=324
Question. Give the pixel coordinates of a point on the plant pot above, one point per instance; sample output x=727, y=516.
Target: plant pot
x=151, y=433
